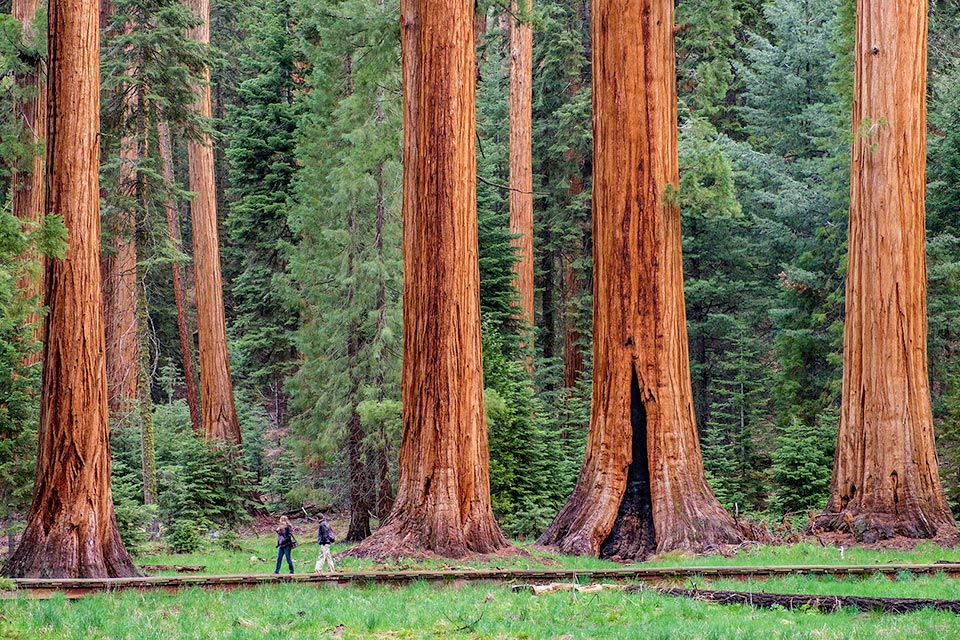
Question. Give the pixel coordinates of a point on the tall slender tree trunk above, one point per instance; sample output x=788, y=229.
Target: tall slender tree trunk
x=219, y=412
x=642, y=486
x=120, y=288
x=173, y=228
x=885, y=477
x=28, y=192
x=384, y=484
x=71, y=528
x=443, y=501
x=521, y=155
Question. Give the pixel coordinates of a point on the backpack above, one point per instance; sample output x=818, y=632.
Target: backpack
x=325, y=535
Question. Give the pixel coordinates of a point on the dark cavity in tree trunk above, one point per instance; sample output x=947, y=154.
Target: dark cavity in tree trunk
x=632, y=535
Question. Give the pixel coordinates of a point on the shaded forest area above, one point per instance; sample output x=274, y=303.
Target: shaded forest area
x=267, y=143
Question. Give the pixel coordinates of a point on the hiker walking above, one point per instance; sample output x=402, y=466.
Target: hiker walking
x=325, y=538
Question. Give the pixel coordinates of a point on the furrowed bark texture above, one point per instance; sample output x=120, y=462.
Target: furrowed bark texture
x=443, y=499
x=71, y=528
x=173, y=228
x=642, y=486
x=120, y=290
x=219, y=412
x=28, y=191
x=521, y=153
x=885, y=479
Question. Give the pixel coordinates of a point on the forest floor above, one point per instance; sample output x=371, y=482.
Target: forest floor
x=482, y=611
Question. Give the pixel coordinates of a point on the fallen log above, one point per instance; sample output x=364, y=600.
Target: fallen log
x=540, y=589
x=823, y=603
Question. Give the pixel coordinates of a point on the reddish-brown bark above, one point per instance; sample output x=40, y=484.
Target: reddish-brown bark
x=173, y=228
x=71, y=528
x=443, y=500
x=521, y=150
x=642, y=486
x=885, y=477
x=27, y=185
x=120, y=288
x=219, y=412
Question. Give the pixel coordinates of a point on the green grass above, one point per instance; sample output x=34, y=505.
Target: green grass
x=220, y=561
x=423, y=610
x=487, y=611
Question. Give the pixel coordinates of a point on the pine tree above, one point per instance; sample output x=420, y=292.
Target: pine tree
x=262, y=128
x=943, y=274
x=347, y=265
x=792, y=182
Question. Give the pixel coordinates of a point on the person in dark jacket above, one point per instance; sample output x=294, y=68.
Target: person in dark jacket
x=285, y=542
x=325, y=538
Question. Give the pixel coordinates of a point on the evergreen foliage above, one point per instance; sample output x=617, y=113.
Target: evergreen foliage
x=793, y=181
x=943, y=272
x=19, y=382
x=347, y=263
x=262, y=130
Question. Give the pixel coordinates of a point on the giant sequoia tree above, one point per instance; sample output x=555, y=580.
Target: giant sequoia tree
x=71, y=529
x=521, y=149
x=219, y=412
x=642, y=485
x=885, y=477
x=443, y=498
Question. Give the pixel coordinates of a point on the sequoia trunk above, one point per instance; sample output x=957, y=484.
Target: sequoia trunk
x=885, y=477
x=71, y=528
x=642, y=486
x=443, y=500
x=120, y=284
x=521, y=149
x=173, y=228
x=219, y=412
x=27, y=200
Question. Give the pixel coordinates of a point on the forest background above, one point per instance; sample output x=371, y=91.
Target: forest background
x=306, y=125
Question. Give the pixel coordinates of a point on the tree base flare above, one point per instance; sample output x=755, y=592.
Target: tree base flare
x=870, y=528
x=415, y=537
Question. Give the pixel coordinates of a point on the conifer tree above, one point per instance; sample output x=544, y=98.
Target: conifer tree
x=642, y=486
x=261, y=154
x=30, y=119
x=885, y=477
x=347, y=263
x=220, y=422
x=792, y=177
x=71, y=528
x=443, y=500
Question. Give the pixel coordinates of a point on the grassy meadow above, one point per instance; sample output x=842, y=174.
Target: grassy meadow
x=487, y=610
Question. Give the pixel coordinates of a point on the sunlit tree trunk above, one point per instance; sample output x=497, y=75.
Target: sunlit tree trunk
x=27, y=200
x=71, y=528
x=885, y=477
x=173, y=228
x=443, y=500
x=521, y=149
x=642, y=487
x=219, y=412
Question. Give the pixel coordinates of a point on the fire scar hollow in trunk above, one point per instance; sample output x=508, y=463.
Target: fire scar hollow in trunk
x=642, y=486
